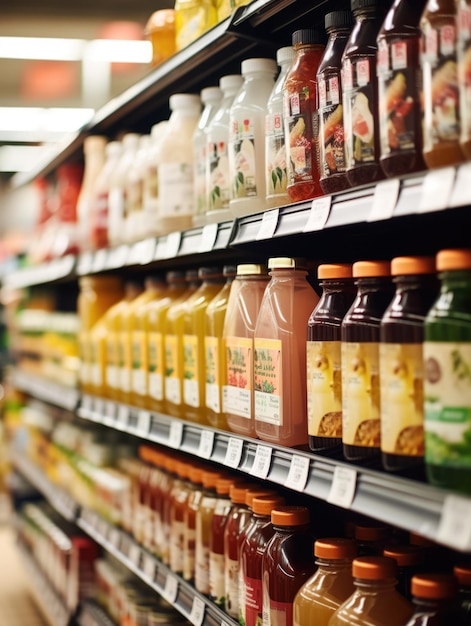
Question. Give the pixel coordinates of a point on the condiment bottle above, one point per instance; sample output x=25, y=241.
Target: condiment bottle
x=275, y=148
x=300, y=101
x=280, y=354
x=399, y=89
x=242, y=311
x=375, y=599
x=435, y=599
x=323, y=355
x=447, y=352
x=332, y=163
x=464, y=74
x=401, y=362
x=360, y=93
x=410, y=561
x=287, y=562
x=189, y=538
x=361, y=433
x=441, y=109
x=170, y=464
x=462, y=573
x=329, y=586
x=247, y=137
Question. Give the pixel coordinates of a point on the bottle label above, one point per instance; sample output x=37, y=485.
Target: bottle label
x=253, y=601
x=239, y=367
x=276, y=176
x=331, y=127
x=151, y=182
x=200, y=179
x=360, y=394
x=213, y=374
x=359, y=102
x=301, y=126
x=189, y=553
x=176, y=187
x=447, y=396
x=464, y=68
x=112, y=360
x=191, y=394
x=281, y=613
x=96, y=378
x=324, y=388
x=139, y=365
x=155, y=347
x=124, y=356
x=231, y=576
x=242, y=155
x=172, y=370
x=402, y=413
x=219, y=178
x=268, y=381
x=216, y=578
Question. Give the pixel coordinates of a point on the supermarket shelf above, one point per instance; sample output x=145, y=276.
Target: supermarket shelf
x=408, y=504
x=91, y=614
x=55, y=270
x=46, y=390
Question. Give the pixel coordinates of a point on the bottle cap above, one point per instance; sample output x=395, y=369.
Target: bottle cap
x=264, y=505
x=101, y=282
x=338, y=19
x=371, y=269
x=181, y=101
x=158, y=129
x=94, y=142
x=361, y=5
x=257, y=492
x=238, y=492
x=210, y=95
x=223, y=485
x=454, y=259
x=113, y=148
x=438, y=586
x=209, y=271
x=229, y=270
x=374, y=567
x=258, y=65
x=412, y=265
x=405, y=555
x=130, y=141
x=230, y=82
x=196, y=474
x=334, y=270
x=290, y=516
x=182, y=469
x=363, y=532
x=462, y=573
x=308, y=36
x=335, y=548
x=175, y=276
x=287, y=263
x=285, y=55
x=210, y=478
x=249, y=269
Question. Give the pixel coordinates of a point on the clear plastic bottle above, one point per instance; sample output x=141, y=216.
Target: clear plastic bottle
x=435, y=597
x=275, y=148
x=135, y=226
x=242, y=311
x=192, y=19
x=247, y=137
x=218, y=182
x=280, y=396
x=175, y=169
x=210, y=98
x=151, y=179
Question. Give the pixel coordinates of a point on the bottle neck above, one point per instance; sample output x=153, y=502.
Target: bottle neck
x=383, y=585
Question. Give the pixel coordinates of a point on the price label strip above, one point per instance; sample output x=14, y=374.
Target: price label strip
x=147, y=251
x=234, y=450
x=436, y=190
x=454, y=528
x=269, y=224
x=384, y=199
x=342, y=490
x=197, y=611
x=262, y=462
x=206, y=446
x=171, y=589
x=118, y=257
x=175, y=435
x=298, y=473
x=319, y=214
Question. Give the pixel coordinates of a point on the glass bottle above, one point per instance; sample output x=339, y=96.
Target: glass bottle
x=189, y=538
x=410, y=560
x=323, y=355
x=179, y=496
x=435, y=599
x=464, y=72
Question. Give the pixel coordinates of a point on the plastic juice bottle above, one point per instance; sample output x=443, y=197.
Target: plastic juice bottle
x=194, y=366
x=280, y=354
x=435, y=597
x=371, y=538
x=247, y=137
x=192, y=19
x=215, y=351
x=447, y=352
x=401, y=362
x=360, y=360
x=464, y=72
x=193, y=502
x=329, y=586
x=323, y=356
x=375, y=598
x=178, y=502
x=275, y=148
x=151, y=179
x=332, y=163
x=300, y=102
x=360, y=93
x=239, y=326
x=155, y=328
x=287, y=562
x=399, y=89
x=440, y=93
x=410, y=561
x=462, y=573
x=173, y=344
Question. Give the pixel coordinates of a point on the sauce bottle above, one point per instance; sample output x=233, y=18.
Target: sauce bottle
x=280, y=354
x=441, y=114
x=361, y=433
x=375, y=599
x=464, y=73
x=410, y=561
x=242, y=311
x=300, y=101
x=287, y=562
x=360, y=93
x=447, y=353
x=329, y=586
x=399, y=86
x=332, y=163
x=435, y=599
x=462, y=573
x=401, y=362
x=323, y=355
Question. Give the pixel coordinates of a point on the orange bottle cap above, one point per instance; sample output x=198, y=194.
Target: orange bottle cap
x=413, y=265
x=196, y=475
x=434, y=586
x=335, y=548
x=462, y=573
x=370, y=533
x=223, y=485
x=238, y=492
x=405, y=555
x=182, y=469
x=290, y=516
x=210, y=479
x=170, y=464
x=264, y=505
x=374, y=567
x=454, y=259
x=334, y=270
x=419, y=540
x=371, y=269
x=255, y=493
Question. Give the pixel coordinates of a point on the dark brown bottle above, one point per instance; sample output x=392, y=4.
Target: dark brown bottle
x=435, y=597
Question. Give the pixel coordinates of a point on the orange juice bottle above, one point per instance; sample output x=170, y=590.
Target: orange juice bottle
x=194, y=372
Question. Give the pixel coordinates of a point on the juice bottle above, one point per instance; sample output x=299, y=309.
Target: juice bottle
x=215, y=351
x=435, y=597
x=323, y=356
x=280, y=354
x=441, y=107
x=178, y=502
x=462, y=573
x=158, y=487
x=170, y=465
x=192, y=19
x=160, y=31
x=194, y=365
x=401, y=362
x=195, y=474
x=242, y=311
x=464, y=72
x=375, y=599
x=371, y=538
x=410, y=561
x=151, y=179
x=329, y=586
x=447, y=353
x=360, y=360
x=287, y=562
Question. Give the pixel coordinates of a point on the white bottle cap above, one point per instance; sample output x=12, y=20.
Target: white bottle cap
x=258, y=65
x=113, y=148
x=210, y=95
x=130, y=141
x=184, y=101
x=94, y=142
x=285, y=55
x=157, y=129
x=231, y=81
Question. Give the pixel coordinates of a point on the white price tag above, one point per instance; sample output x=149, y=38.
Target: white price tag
x=172, y=247
x=233, y=452
x=269, y=223
x=102, y=528
x=298, y=473
x=114, y=537
x=319, y=214
x=342, y=490
x=147, y=251
x=384, y=200
x=454, y=529
x=148, y=567
x=208, y=237
x=117, y=257
x=175, y=435
x=171, y=588
x=86, y=405
x=143, y=423
x=110, y=413
x=123, y=415
x=99, y=409
x=436, y=189
x=135, y=554
x=461, y=194
x=197, y=611
x=85, y=263
x=160, y=249
x=205, y=448
x=99, y=260
x=262, y=462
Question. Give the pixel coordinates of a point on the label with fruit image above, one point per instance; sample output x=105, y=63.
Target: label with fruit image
x=239, y=366
x=331, y=128
x=324, y=388
x=276, y=155
x=268, y=381
x=242, y=158
x=298, y=114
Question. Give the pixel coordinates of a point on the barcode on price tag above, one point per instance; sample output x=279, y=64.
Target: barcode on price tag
x=87, y=402
x=110, y=412
x=454, y=528
x=205, y=448
x=233, y=452
x=342, y=490
x=99, y=409
x=298, y=473
x=197, y=611
x=172, y=247
x=175, y=435
x=262, y=462
x=171, y=588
